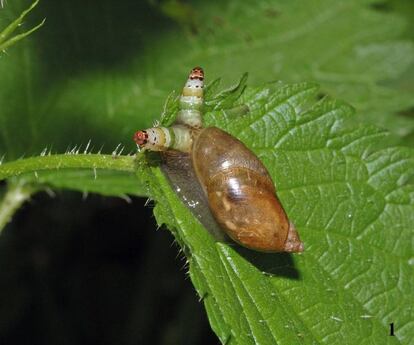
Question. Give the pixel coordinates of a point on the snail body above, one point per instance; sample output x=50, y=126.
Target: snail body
x=240, y=193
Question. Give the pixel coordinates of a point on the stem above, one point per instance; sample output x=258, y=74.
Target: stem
x=16, y=195
x=91, y=161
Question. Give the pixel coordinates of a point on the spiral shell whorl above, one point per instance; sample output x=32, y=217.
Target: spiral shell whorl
x=241, y=194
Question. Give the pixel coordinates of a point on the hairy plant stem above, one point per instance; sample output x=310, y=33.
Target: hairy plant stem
x=15, y=196
x=51, y=162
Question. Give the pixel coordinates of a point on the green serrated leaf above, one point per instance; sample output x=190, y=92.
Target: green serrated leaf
x=346, y=192
x=171, y=107
x=212, y=88
x=226, y=98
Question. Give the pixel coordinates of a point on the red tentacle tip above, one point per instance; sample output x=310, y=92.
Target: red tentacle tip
x=141, y=137
x=197, y=73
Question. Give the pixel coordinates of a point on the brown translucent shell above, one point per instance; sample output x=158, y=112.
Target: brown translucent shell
x=241, y=193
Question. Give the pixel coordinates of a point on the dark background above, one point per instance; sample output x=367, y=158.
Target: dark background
x=94, y=270
x=99, y=274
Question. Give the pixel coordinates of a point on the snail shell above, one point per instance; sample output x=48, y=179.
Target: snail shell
x=208, y=163
x=241, y=194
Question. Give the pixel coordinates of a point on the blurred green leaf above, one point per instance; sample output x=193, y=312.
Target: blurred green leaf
x=80, y=79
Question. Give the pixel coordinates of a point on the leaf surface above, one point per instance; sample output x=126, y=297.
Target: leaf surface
x=348, y=193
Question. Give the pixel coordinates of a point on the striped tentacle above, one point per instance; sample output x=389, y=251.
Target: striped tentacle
x=191, y=100
x=176, y=137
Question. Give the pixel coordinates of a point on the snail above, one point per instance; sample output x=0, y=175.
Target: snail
x=238, y=188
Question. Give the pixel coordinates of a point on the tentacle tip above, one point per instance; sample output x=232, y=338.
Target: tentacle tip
x=198, y=69
x=140, y=138
x=197, y=73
